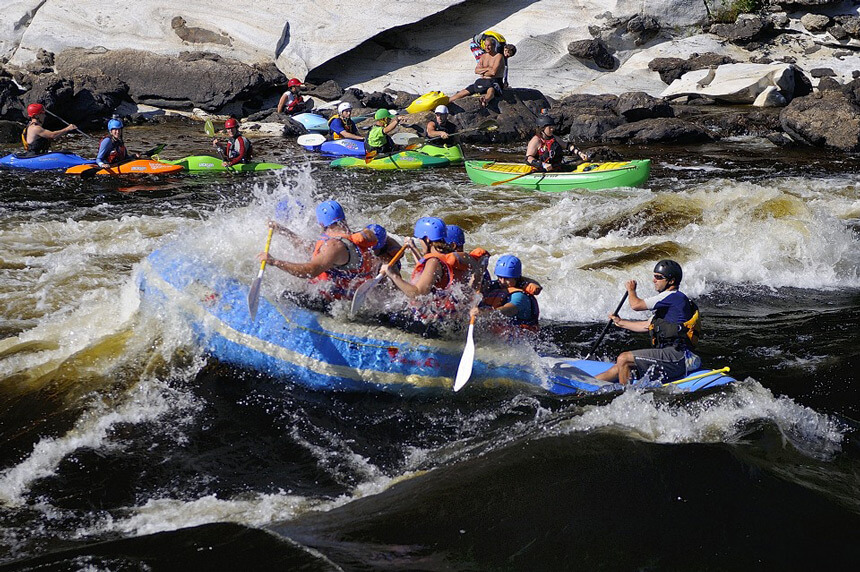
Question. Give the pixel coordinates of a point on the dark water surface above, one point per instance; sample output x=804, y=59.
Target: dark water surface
x=125, y=449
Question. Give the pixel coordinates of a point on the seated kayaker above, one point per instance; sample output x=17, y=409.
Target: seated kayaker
x=112, y=149
x=341, y=124
x=379, y=137
x=511, y=297
x=545, y=151
x=674, y=329
x=440, y=126
x=341, y=260
x=37, y=140
x=291, y=101
x=491, y=69
x=237, y=149
x=431, y=288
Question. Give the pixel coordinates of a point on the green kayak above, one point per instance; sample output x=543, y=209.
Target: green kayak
x=214, y=164
x=589, y=176
x=453, y=154
x=402, y=160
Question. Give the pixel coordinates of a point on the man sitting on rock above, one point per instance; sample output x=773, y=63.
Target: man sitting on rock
x=491, y=69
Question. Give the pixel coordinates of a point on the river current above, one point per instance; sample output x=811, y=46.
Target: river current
x=125, y=448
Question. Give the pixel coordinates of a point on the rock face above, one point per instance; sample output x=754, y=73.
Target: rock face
x=593, y=50
x=734, y=83
x=831, y=119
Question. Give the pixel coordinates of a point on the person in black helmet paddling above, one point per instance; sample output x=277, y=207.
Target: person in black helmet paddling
x=545, y=151
x=674, y=330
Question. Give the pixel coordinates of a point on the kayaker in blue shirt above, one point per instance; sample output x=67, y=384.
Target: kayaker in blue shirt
x=341, y=124
x=112, y=149
x=37, y=139
x=510, y=297
x=674, y=329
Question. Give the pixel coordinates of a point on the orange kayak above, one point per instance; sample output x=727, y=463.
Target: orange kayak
x=139, y=167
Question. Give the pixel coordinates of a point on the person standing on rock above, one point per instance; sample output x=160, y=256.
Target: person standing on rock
x=379, y=137
x=237, y=149
x=37, y=139
x=491, y=69
x=439, y=126
x=292, y=102
x=112, y=149
x=545, y=151
x=341, y=124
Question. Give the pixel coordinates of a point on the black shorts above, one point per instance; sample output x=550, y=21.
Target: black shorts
x=661, y=364
x=483, y=85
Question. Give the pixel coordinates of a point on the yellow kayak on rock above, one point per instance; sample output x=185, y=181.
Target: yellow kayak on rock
x=427, y=102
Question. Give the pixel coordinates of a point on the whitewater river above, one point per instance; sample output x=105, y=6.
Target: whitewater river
x=124, y=448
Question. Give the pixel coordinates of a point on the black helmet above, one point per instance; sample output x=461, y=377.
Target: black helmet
x=545, y=121
x=670, y=269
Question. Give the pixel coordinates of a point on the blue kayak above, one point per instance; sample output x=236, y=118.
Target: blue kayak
x=312, y=122
x=44, y=162
x=343, y=148
x=322, y=352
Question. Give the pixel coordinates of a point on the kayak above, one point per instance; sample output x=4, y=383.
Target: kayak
x=312, y=122
x=427, y=102
x=44, y=162
x=343, y=148
x=136, y=167
x=590, y=176
x=321, y=352
x=215, y=164
x=401, y=160
x=454, y=154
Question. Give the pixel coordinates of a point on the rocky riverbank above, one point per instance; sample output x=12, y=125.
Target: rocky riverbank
x=786, y=70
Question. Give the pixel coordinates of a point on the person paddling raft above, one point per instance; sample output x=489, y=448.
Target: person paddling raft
x=36, y=139
x=674, y=329
x=511, y=297
x=341, y=124
x=341, y=260
x=291, y=101
x=545, y=151
x=379, y=137
x=237, y=149
x=112, y=149
x=439, y=125
x=386, y=247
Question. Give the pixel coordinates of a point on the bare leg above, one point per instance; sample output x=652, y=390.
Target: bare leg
x=620, y=371
x=459, y=94
x=488, y=97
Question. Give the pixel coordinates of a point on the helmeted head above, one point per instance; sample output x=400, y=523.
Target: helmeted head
x=431, y=228
x=329, y=212
x=35, y=109
x=114, y=124
x=545, y=121
x=294, y=82
x=670, y=271
x=345, y=106
x=231, y=123
x=381, y=236
x=441, y=110
x=508, y=266
x=455, y=235
x=382, y=114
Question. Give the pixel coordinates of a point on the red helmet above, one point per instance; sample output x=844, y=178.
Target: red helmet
x=293, y=82
x=35, y=109
x=230, y=123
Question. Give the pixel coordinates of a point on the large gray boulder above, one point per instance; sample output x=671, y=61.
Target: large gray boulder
x=671, y=69
x=638, y=105
x=662, y=130
x=824, y=119
x=734, y=83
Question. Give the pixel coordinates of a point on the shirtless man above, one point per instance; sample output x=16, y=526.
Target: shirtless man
x=491, y=69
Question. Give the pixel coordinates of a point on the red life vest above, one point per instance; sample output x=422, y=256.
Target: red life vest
x=550, y=151
x=117, y=154
x=501, y=296
x=239, y=150
x=341, y=281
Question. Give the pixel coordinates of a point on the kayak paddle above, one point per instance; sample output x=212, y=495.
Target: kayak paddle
x=311, y=140
x=154, y=151
x=606, y=327
x=494, y=183
x=67, y=123
x=254, y=292
x=406, y=139
x=361, y=291
x=464, y=370
x=208, y=128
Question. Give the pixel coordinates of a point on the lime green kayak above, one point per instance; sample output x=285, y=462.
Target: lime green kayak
x=402, y=160
x=454, y=154
x=215, y=164
x=589, y=176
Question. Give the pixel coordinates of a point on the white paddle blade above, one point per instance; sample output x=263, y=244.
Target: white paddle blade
x=254, y=297
x=464, y=370
x=361, y=294
x=311, y=140
x=405, y=138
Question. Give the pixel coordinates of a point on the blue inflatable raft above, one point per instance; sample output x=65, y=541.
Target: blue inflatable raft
x=322, y=352
x=44, y=162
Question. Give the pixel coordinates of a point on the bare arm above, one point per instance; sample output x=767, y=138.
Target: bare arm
x=282, y=102
x=39, y=131
x=636, y=303
x=333, y=253
x=639, y=326
x=422, y=286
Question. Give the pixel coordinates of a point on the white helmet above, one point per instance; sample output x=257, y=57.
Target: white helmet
x=344, y=106
x=441, y=109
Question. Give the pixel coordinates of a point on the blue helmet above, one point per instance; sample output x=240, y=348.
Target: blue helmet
x=381, y=236
x=329, y=212
x=114, y=124
x=509, y=266
x=431, y=228
x=455, y=235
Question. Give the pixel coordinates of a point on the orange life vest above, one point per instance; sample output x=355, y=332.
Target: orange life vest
x=341, y=281
x=501, y=296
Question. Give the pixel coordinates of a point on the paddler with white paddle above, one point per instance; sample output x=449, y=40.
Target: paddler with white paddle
x=379, y=137
x=341, y=124
x=439, y=126
x=674, y=330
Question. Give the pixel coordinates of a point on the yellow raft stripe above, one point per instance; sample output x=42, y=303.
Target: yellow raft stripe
x=214, y=324
x=523, y=168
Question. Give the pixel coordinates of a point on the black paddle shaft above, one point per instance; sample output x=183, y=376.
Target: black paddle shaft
x=606, y=327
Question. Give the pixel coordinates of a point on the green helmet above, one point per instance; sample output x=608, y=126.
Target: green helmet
x=382, y=114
